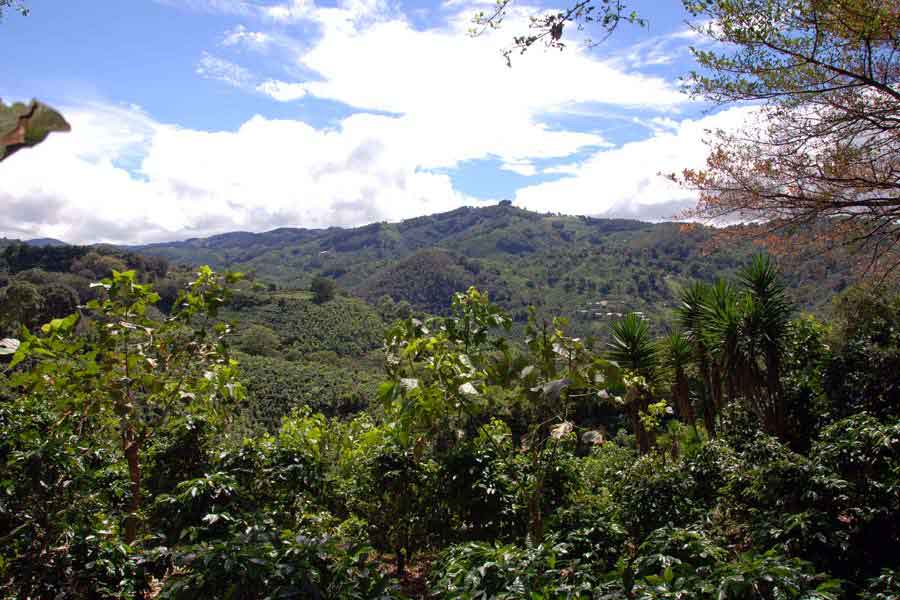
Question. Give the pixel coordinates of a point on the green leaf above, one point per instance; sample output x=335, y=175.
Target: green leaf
x=8, y=346
x=26, y=125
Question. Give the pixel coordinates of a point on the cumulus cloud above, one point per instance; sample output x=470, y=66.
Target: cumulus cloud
x=426, y=100
x=282, y=90
x=626, y=181
x=122, y=177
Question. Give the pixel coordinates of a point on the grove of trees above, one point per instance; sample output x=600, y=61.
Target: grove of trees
x=750, y=454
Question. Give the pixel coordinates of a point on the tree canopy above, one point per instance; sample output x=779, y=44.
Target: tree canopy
x=817, y=161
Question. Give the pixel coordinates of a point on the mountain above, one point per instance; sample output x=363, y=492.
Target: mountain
x=44, y=242
x=590, y=270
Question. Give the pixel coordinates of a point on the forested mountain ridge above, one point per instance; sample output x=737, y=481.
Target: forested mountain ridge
x=562, y=264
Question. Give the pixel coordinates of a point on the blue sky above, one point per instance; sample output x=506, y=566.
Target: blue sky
x=194, y=117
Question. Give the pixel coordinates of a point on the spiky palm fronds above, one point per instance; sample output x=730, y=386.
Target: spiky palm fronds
x=633, y=348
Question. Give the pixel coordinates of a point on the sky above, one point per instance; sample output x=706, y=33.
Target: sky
x=197, y=117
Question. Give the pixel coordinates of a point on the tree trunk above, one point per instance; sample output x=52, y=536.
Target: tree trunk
x=773, y=383
x=401, y=563
x=709, y=399
x=641, y=435
x=682, y=393
x=535, y=505
x=709, y=418
x=132, y=455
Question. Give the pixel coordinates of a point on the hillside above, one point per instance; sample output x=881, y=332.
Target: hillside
x=587, y=269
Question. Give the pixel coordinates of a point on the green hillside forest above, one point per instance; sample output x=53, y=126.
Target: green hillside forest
x=489, y=403
x=175, y=432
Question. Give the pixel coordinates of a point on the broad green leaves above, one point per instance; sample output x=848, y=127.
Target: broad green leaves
x=8, y=346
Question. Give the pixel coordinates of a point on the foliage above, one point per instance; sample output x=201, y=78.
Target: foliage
x=273, y=386
x=17, y=5
x=651, y=493
x=885, y=586
x=828, y=73
x=111, y=386
x=492, y=466
x=861, y=373
x=345, y=326
x=258, y=340
x=562, y=265
x=259, y=564
x=505, y=572
x=323, y=289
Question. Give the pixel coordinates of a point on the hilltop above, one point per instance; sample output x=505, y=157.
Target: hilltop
x=588, y=269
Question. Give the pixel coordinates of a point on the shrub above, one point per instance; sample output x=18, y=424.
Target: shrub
x=653, y=492
x=507, y=572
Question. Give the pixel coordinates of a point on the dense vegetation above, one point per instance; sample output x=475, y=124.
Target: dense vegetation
x=633, y=419
x=562, y=265
x=749, y=454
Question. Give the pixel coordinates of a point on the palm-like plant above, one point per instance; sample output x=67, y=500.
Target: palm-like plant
x=737, y=335
x=633, y=349
x=767, y=314
x=632, y=346
x=693, y=314
x=723, y=331
x=677, y=354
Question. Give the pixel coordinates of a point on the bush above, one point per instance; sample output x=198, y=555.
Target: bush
x=654, y=492
x=862, y=373
x=256, y=563
x=864, y=456
x=884, y=587
x=323, y=289
x=509, y=572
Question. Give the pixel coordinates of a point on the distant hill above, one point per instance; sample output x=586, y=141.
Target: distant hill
x=44, y=242
x=588, y=269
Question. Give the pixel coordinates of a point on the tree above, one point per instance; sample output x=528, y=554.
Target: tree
x=16, y=5
x=692, y=312
x=456, y=374
x=21, y=305
x=767, y=320
x=820, y=162
x=817, y=164
x=605, y=15
x=128, y=375
x=677, y=355
x=95, y=265
x=60, y=300
x=323, y=289
x=259, y=340
x=634, y=350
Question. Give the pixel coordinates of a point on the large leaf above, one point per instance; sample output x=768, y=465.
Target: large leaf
x=8, y=346
x=26, y=125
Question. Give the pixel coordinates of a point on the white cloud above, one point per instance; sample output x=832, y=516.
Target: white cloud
x=282, y=90
x=445, y=99
x=522, y=168
x=120, y=176
x=241, y=36
x=626, y=181
x=214, y=67
x=228, y=7
x=289, y=12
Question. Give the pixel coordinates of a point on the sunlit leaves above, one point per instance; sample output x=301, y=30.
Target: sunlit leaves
x=8, y=346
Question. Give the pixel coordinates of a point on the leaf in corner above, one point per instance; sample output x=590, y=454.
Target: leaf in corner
x=26, y=125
